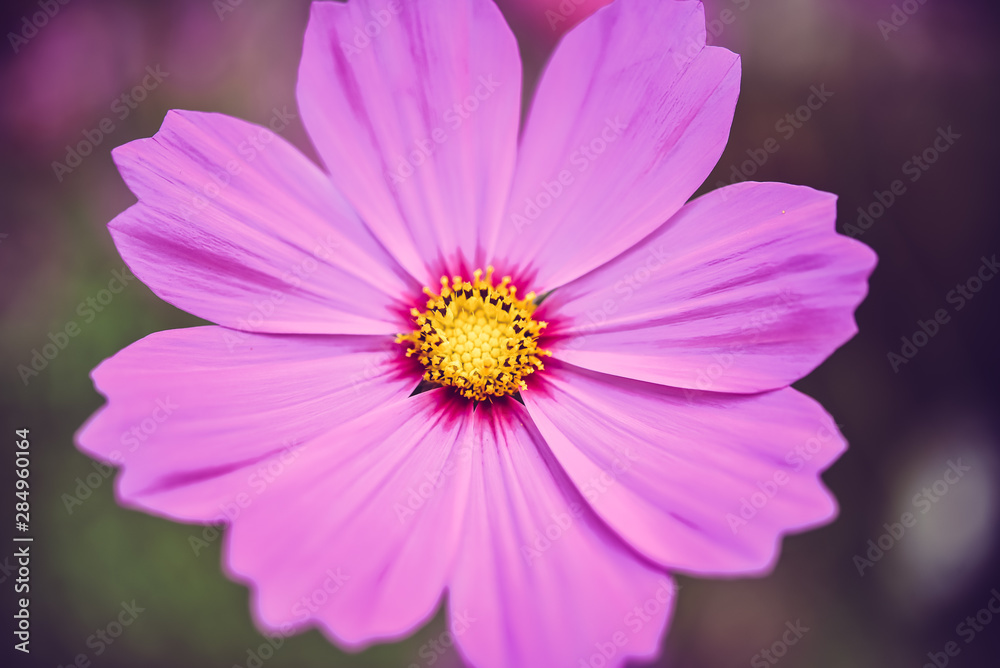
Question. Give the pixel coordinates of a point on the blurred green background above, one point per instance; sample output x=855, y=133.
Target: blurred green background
x=894, y=84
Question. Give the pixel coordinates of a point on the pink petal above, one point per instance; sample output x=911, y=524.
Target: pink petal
x=271, y=248
x=195, y=425
x=748, y=288
x=360, y=533
x=435, y=77
x=701, y=482
x=540, y=581
x=633, y=112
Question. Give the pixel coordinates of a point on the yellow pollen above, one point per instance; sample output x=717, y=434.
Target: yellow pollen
x=477, y=337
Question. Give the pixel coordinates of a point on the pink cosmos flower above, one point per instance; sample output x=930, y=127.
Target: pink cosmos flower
x=377, y=436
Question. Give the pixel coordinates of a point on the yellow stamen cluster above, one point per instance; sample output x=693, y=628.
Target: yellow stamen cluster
x=477, y=337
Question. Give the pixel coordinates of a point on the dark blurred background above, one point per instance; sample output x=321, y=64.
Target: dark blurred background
x=902, y=125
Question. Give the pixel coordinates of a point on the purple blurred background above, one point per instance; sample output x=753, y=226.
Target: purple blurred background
x=891, y=105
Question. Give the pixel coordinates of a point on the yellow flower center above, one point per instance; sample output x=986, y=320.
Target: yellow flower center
x=476, y=337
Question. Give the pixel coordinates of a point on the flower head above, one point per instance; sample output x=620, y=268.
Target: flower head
x=477, y=337
x=396, y=423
